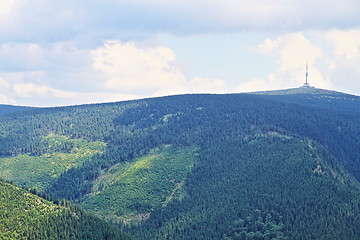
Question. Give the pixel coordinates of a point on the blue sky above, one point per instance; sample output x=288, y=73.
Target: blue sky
x=55, y=53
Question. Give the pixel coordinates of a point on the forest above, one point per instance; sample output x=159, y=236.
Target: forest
x=269, y=165
x=24, y=215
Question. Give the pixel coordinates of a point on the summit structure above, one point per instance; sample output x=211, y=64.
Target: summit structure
x=306, y=84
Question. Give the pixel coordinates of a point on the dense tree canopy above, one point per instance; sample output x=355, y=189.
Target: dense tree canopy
x=274, y=165
x=27, y=216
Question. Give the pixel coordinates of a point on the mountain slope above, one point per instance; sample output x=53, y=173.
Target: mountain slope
x=316, y=97
x=270, y=176
x=7, y=109
x=328, y=117
x=147, y=183
x=27, y=216
x=27, y=169
x=200, y=166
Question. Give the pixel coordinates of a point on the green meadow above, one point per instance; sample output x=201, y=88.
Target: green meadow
x=61, y=153
x=129, y=192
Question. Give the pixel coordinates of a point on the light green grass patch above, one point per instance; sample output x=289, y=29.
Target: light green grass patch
x=40, y=171
x=129, y=192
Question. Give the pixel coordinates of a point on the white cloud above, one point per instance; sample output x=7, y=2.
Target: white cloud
x=154, y=71
x=43, y=92
x=10, y=14
x=345, y=43
x=344, y=46
x=206, y=85
x=62, y=74
x=15, y=56
x=45, y=49
x=333, y=57
x=343, y=58
x=62, y=65
x=4, y=90
x=255, y=85
x=6, y=100
x=23, y=77
x=4, y=84
x=8, y=7
x=53, y=21
x=29, y=90
x=291, y=51
x=129, y=68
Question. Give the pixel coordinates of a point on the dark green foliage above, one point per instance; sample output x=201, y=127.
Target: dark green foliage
x=40, y=171
x=8, y=109
x=23, y=132
x=257, y=225
x=318, y=98
x=273, y=174
x=26, y=216
x=145, y=184
x=293, y=155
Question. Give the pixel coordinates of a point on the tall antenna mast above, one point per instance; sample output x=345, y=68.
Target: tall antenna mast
x=306, y=84
x=307, y=73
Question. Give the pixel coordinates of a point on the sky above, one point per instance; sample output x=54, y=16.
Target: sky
x=57, y=53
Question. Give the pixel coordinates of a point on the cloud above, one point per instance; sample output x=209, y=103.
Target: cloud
x=30, y=91
x=4, y=88
x=22, y=56
x=58, y=49
x=4, y=84
x=62, y=65
x=129, y=68
x=193, y=16
x=151, y=71
x=54, y=21
x=8, y=7
x=291, y=52
x=345, y=43
x=206, y=85
x=255, y=85
x=333, y=57
x=6, y=100
x=343, y=58
x=60, y=73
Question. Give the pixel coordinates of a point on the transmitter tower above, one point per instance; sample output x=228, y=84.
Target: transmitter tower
x=306, y=84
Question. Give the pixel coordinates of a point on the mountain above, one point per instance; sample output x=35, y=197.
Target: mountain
x=267, y=165
x=5, y=109
x=317, y=98
x=27, y=216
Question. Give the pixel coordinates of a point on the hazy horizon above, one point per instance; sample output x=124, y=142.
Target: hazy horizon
x=106, y=102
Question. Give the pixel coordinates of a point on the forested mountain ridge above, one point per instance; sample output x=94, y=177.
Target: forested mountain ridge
x=271, y=165
x=5, y=109
x=317, y=98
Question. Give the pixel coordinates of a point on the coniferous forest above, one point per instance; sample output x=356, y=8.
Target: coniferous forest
x=24, y=215
x=268, y=165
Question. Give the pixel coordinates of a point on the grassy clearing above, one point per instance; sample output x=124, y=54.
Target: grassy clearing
x=129, y=192
x=39, y=171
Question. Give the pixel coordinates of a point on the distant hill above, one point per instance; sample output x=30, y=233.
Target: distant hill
x=5, y=109
x=268, y=165
x=316, y=97
x=27, y=216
